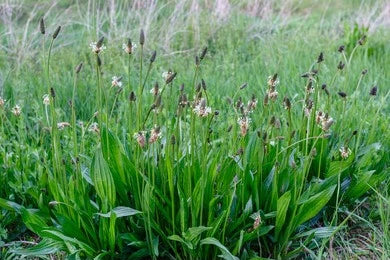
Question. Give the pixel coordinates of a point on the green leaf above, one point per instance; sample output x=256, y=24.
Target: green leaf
x=322, y=232
x=337, y=167
x=281, y=211
x=45, y=247
x=360, y=185
x=225, y=252
x=181, y=240
x=255, y=234
x=310, y=207
x=10, y=205
x=194, y=232
x=33, y=220
x=102, y=180
x=120, y=212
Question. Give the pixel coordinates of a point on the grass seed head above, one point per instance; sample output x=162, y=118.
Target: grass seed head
x=341, y=65
x=203, y=53
x=52, y=93
x=244, y=85
x=153, y=57
x=78, y=68
x=342, y=94
x=374, y=90
x=132, y=97
x=320, y=58
x=56, y=32
x=170, y=78
x=364, y=72
x=142, y=37
x=16, y=110
x=42, y=26
x=287, y=103
x=341, y=48
x=362, y=40
x=197, y=61
x=204, y=85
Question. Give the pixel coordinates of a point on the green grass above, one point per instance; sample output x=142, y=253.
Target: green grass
x=204, y=189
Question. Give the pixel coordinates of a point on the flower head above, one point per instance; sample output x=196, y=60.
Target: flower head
x=252, y=104
x=62, y=125
x=244, y=124
x=46, y=99
x=16, y=110
x=97, y=48
x=155, y=90
x=167, y=74
x=272, y=94
x=116, y=81
x=345, y=152
x=94, y=127
x=2, y=102
x=155, y=134
x=324, y=121
x=140, y=138
x=273, y=80
x=201, y=109
x=129, y=47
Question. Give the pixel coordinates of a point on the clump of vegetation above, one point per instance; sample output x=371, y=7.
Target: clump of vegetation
x=174, y=171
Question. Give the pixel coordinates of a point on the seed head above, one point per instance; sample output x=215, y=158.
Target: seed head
x=155, y=90
x=170, y=78
x=342, y=94
x=362, y=40
x=16, y=110
x=52, y=93
x=116, y=81
x=78, y=68
x=244, y=85
x=153, y=57
x=141, y=37
x=62, y=125
x=201, y=109
x=287, y=103
x=341, y=48
x=374, y=90
x=341, y=65
x=129, y=47
x=244, y=122
x=320, y=58
x=155, y=134
x=46, y=99
x=94, y=127
x=345, y=152
x=197, y=61
x=56, y=32
x=364, y=72
x=140, y=138
x=132, y=96
x=203, y=54
x=204, y=85
x=42, y=25
x=324, y=88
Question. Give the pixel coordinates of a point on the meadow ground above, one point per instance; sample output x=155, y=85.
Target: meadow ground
x=256, y=130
